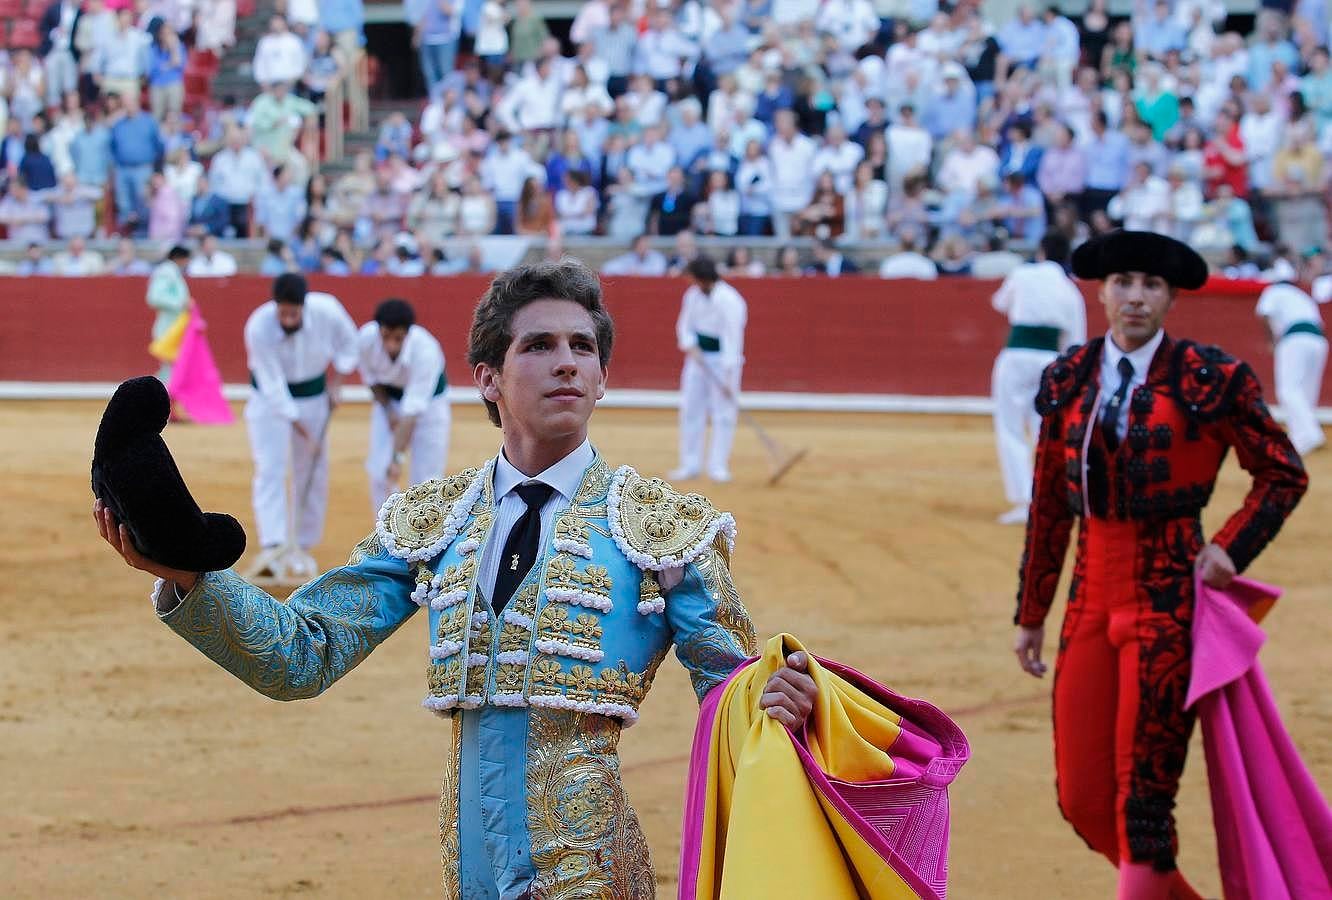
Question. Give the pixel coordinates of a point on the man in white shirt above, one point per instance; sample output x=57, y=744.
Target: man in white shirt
x=77, y=260
x=909, y=147
x=279, y=55
x=1144, y=203
x=1300, y=351
x=503, y=171
x=403, y=365
x=640, y=260
x=651, y=160
x=290, y=342
x=663, y=52
x=1046, y=315
x=534, y=102
x=711, y=333
x=840, y=157
x=792, y=155
x=210, y=261
x=907, y=262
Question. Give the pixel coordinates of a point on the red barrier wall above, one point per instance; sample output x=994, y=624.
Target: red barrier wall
x=819, y=335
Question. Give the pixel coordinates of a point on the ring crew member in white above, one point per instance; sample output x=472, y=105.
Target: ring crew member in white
x=1047, y=314
x=711, y=333
x=1300, y=355
x=290, y=342
x=403, y=365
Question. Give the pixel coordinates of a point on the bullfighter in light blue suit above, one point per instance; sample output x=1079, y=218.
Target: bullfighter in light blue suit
x=554, y=584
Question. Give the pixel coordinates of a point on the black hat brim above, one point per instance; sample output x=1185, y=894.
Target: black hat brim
x=1141, y=251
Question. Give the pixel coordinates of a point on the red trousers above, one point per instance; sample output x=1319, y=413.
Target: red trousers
x=1121, y=731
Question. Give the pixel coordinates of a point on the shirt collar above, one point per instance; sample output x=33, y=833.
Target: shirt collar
x=564, y=476
x=1140, y=358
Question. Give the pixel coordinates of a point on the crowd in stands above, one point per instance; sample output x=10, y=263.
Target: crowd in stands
x=936, y=144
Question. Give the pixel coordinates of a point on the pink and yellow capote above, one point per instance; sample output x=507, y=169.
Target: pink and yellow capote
x=854, y=805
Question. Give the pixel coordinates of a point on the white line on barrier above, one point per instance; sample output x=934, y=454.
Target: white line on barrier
x=776, y=401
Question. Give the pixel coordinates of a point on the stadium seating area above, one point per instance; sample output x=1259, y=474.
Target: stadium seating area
x=789, y=136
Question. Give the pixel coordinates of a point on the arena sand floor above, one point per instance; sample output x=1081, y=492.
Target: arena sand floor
x=135, y=768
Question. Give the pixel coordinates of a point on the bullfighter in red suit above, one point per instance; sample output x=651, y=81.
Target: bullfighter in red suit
x=1134, y=429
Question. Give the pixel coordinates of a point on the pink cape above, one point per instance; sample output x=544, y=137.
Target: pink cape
x=195, y=383
x=1273, y=826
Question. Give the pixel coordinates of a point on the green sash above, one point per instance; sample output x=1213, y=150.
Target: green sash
x=300, y=389
x=707, y=343
x=1303, y=328
x=1033, y=337
x=396, y=392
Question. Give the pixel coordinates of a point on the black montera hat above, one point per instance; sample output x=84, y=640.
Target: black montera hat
x=1141, y=251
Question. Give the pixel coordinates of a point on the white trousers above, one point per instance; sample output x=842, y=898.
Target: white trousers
x=277, y=449
x=703, y=400
x=1299, y=361
x=429, y=447
x=1013, y=385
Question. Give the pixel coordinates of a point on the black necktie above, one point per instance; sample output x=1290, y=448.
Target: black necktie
x=523, y=543
x=1110, y=415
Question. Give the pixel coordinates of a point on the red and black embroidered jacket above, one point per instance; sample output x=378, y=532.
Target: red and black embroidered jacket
x=1197, y=403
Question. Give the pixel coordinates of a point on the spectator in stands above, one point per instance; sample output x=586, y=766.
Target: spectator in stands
x=909, y=147
x=1186, y=204
x=753, y=179
x=1022, y=39
x=436, y=29
x=166, y=73
x=1024, y=210
x=122, y=57
x=534, y=213
x=614, y=47
x=1225, y=160
x=237, y=173
x=569, y=158
x=1261, y=128
x=1297, y=190
x=686, y=251
x=275, y=119
x=640, y=260
x=829, y=261
x=787, y=263
x=434, y=211
x=825, y=214
x=908, y=262
x=167, y=212
x=1144, y=203
x=1268, y=45
x=651, y=161
x=1159, y=33
x=280, y=55
x=36, y=169
x=1107, y=154
x=34, y=261
x=952, y=256
x=126, y=262
x=526, y=33
x=866, y=205
x=1020, y=155
x=280, y=208
x=326, y=68
x=740, y=263
x=25, y=215
x=721, y=205
x=136, y=148
x=211, y=261
x=1227, y=220
x=576, y=204
x=626, y=208
x=965, y=163
x=492, y=38
x=478, y=212
x=791, y=155
x=1062, y=172
x=382, y=212
x=77, y=260
x=1119, y=55
x=73, y=207
x=183, y=173
x=208, y=213
x=1238, y=265
x=671, y=210
x=996, y=260
x=953, y=105
x=533, y=104
x=503, y=172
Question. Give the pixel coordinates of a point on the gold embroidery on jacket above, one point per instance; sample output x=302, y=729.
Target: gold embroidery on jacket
x=448, y=816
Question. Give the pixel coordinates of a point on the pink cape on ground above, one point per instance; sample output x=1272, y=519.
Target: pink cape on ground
x=1273, y=826
x=196, y=385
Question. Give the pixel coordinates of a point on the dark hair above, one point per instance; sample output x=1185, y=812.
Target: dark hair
x=703, y=269
x=178, y=252
x=275, y=246
x=395, y=313
x=1055, y=247
x=567, y=279
x=290, y=287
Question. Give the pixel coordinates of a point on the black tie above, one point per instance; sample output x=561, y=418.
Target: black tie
x=1110, y=415
x=522, y=544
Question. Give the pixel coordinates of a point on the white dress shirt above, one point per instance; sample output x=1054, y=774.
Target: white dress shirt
x=721, y=314
x=279, y=57
x=1040, y=294
x=565, y=477
x=220, y=265
x=1285, y=305
x=416, y=371
x=1110, y=378
x=792, y=172
x=276, y=359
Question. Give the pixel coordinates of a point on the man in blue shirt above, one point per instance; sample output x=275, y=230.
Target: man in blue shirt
x=1107, y=154
x=136, y=147
x=954, y=107
x=1023, y=38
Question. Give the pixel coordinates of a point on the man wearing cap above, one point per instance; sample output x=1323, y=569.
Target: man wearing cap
x=711, y=334
x=1134, y=428
x=1046, y=315
x=290, y=342
x=1300, y=353
x=403, y=365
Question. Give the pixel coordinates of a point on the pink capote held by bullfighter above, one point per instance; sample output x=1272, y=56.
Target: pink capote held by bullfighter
x=1273, y=825
x=196, y=385
x=758, y=794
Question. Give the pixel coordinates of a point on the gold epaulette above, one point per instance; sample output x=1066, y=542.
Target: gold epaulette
x=419, y=523
x=657, y=527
